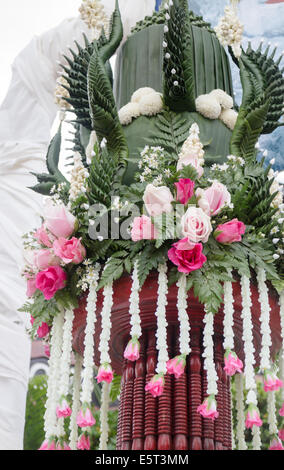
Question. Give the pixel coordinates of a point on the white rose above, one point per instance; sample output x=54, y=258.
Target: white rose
x=158, y=200
x=196, y=225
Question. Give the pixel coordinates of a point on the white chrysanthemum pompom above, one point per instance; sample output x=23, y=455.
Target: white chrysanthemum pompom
x=225, y=100
x=140, y=93
x=208, y=106
x=151, y=104
x=229, y=118
x=128, y=112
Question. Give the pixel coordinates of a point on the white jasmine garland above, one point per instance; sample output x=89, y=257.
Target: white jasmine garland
x=281, y=304
x=271, y=413
x=104, y=416
x=264, y=320
x=240, y=431
x=75, y=401
x=106, y=324
x=248, y=334
x=228, y=316
x=66, y=353
x=256, y=438
x=162, y=323
x=184, y=326
x=208, y=353
x=88, y=363
x=134, y=309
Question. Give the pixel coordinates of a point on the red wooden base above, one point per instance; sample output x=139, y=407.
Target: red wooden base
x=171, y=421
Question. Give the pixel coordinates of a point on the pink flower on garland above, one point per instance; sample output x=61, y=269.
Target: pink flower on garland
x=281, y=434
x=208, y=409
x=232, y=363
x=84, y=442
x=48, y=445
x=176, y=366
x=105, y=374
x=271, y=381
x=132, y=350
x=143, y=229
x=252, y=417
x=281, y=411
x=85, y=418
x=276, y=444
x=187, y=260
x=185, y=190
x=63, y=410
x=42, y=330
x=156, y=385
x=230, y=232
x=69, y=251
x=50, y=281
x=63, y=446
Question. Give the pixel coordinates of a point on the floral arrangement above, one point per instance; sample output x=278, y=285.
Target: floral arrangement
x=199, y=225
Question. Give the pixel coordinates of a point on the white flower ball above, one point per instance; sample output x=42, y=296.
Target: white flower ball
x=140, y=93
x=151, y=104
x=128, y=112
x=208, y=106
x=229, y=118
x=225, y=100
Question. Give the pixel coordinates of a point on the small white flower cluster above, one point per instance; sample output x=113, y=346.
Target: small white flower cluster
x=144, y=102
x=106, y=324
x=230, y=30
x=57, y=193
x=90, y=147
x=151, y=160
x=93, y=14
x=228, y=316
x=87, y=373
x=75, y=401
x=192, y=151
x=217, y=105
x=240, y=431
x=276, y=188
x=208, y=353
x=264, y=320
x=184, y=326
x=61, y=93
x=134, y=309
x=162, y=323
x=79, y=175
x=104, y=429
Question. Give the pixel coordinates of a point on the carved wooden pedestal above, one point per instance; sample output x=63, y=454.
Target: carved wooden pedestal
x=171, y=421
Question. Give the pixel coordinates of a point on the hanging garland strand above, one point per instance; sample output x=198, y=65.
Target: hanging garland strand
x=105, y=373
x=240, y=430
x=132, y=350
x=104, y=416
x=75, y=401
x=264, y=320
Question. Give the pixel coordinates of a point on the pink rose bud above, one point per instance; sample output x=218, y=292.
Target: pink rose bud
x=185, y=190
x=232, y=363
x=281, y=434
x=187, y=260
x=132, y=350
x=85, y=418
x=45, y=258
x=271, y=381
x=44, y=237
x=58, y=220
x=156, y=385
x=69, y=251
x=230, y=232
x=84, y=442
x=158, y=200
x=105, y=374
x=143, y=229
x=42, y=330
x=276, y=444
x=252, y=417
x=50, y=281
x=63, y=410
x=208, y=409
x=176, y=366
x=213, y=199
x=281, y=411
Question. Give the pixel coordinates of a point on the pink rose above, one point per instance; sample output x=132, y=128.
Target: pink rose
x=185, y=190
x=156, y=385
x=42, y=330
x=281, y=434
x=59, y=220
x=232, y=363
x=187, y=260
x=192, y=160
x=143, y=229
x=213, y=199
x=281, y=411
x=31, y=287
x=45, y=258
x=44, y=237
x=63, y=410
x=176, y=366
x=230, y=231
x=132, y=350
x=276, y=444
x=158, y=200
x=208, y=409
x=271, y=381
x=252, y=417
x=51, y=280
x=84, y=442
x=69, y=251
x=196, y=225
x=105, y=374
x=85, y=418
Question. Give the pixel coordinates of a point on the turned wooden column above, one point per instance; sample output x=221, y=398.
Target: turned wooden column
x=171, y=421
